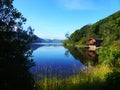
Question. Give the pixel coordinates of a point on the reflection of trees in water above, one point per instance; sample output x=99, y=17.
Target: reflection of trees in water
x=84, y=56
x=67, y=53
x=35, y=46
x=93, y=55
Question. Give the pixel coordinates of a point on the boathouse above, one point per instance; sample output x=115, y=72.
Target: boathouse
x=94, y=43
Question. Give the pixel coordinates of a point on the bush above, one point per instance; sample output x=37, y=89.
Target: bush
x=112, y=80
x=110, y=54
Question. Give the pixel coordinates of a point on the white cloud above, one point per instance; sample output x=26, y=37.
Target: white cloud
x=77, y=4
x=86, y=4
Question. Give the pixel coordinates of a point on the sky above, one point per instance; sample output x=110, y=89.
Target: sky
x=54, y=18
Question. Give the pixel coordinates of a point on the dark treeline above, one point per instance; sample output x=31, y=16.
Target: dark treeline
x=14, y=49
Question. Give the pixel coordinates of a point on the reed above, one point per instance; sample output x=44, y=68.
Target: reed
x=92, y=79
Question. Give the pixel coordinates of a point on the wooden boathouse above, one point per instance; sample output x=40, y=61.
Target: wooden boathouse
x=94, y=43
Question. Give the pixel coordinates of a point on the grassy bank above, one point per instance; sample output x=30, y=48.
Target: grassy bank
x=92, y=79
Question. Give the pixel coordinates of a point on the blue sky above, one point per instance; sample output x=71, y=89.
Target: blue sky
x=53, y=18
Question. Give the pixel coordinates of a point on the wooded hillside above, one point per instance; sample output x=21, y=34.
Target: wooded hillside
x=107, y=28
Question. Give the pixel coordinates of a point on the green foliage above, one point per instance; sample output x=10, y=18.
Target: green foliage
x=110, y=54
x=107, y=28
x=112, y=80
x=79, y=34
x=15, y=53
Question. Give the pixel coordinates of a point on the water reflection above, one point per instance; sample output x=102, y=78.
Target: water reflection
x=94, y=56
x=35, y=46
x=54, y=61
x=84, y=55
x=67, y=53
x=57, y=61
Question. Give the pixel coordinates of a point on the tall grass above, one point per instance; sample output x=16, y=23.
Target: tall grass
x=91, y=78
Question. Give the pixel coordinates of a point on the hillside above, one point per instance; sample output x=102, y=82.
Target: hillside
x=41, y=40
x=107, y=28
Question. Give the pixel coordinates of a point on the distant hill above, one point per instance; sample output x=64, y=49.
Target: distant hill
x=41, y=40
x=107, y=28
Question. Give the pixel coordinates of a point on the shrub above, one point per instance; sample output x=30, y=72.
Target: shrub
x=112, y=80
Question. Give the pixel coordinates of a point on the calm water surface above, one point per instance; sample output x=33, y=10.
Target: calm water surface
x=54, y=60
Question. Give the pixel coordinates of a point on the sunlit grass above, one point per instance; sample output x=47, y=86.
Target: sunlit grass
x=92, y=79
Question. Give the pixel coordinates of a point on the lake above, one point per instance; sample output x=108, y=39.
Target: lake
x=53, y=60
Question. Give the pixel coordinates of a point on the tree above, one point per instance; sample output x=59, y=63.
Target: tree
x=67, y=35
x=14, y=49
